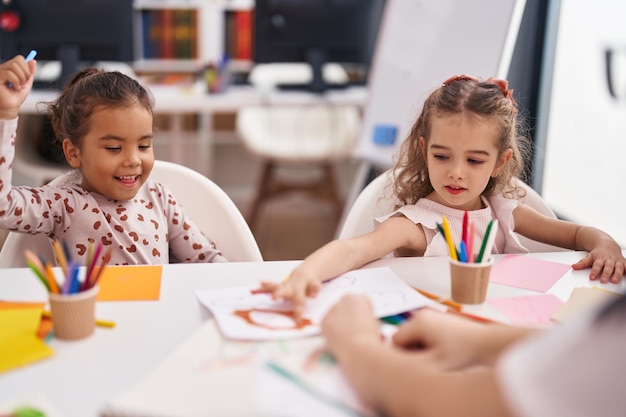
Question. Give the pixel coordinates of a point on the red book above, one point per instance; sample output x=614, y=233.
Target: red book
x=243, y=37
x=168, y=41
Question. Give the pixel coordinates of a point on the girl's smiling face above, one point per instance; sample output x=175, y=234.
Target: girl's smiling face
x=461, y=156
x=116, y=155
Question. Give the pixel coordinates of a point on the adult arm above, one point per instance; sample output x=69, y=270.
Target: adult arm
x=404, y=382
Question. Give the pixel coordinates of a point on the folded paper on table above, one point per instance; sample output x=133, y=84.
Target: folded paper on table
x=45, y=325
x=245, y=316
x=581, y=299
x=130, y=283
x=528, y=310
x=527, y=272
x=19, y=343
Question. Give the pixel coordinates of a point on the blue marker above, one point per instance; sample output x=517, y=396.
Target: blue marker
x=31, y=55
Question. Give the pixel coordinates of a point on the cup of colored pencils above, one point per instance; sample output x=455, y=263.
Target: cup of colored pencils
x=469, y=269
x=469, y=281
x=72, y=299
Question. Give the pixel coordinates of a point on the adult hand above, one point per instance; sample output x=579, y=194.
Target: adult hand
x=453, y=342
x=350, y=322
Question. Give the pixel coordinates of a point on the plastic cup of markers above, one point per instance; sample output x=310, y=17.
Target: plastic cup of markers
x=74, y=315
x=469, y=281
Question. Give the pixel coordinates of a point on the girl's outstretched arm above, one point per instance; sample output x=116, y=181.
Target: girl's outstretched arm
x=340, y=256
x=605, y=257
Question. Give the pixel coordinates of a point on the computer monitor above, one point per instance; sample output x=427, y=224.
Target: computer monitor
x=316, y=32
x=74, y=32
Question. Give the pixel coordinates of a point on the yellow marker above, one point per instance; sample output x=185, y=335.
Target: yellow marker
x=286, y=278
x=449, y=240
x=105, y=323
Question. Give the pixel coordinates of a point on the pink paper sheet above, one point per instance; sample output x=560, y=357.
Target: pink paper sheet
x=527, y=272
x=528, y=310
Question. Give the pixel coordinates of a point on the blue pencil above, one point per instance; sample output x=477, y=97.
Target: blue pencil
x=31, y=55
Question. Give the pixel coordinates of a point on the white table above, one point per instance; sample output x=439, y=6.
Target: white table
x=110, y=361
x=176, y=101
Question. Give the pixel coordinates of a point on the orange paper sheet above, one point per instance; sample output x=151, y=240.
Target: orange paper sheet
x=130, y=283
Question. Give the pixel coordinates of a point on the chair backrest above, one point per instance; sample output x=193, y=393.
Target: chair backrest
x=269, y=75
x=210, y=208
x=376, y=200
x=373, y=201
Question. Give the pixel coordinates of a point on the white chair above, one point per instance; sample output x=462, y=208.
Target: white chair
x=210, y=208
x=311, y=135
x=377, y=199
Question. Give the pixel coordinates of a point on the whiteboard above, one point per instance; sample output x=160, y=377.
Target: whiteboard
x=420, y=44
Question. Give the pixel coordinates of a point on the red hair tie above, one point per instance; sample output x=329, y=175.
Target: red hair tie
x=456, y=78
x=503, y=85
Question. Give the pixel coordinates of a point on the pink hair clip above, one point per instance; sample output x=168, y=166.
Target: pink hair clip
x=456, y=78
x=504, y=86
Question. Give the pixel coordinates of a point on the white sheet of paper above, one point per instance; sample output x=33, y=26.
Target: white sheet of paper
x=210, y=376
x=260, y=317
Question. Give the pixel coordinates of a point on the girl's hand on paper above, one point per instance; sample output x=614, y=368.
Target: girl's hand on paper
x=295, y=288
x=606, y=261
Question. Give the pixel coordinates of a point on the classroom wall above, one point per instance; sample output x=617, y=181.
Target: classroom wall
x=581, y=129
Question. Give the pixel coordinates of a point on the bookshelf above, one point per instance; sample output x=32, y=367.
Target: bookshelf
x=174, y=36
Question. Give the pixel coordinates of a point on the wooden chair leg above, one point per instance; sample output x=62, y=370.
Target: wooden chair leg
x=330, y=178
x=263, y=191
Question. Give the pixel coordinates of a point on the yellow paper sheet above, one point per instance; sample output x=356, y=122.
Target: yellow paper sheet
x=582, y=299
x=18, y=341
x=127, y=283
x=45, y=325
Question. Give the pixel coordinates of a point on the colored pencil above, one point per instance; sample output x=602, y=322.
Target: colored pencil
x=471, y=316
x=31, y=55
x=38, y=274
x=103, y=265
x=481, y=253
x=90, y=267
x=61, y=260
x=462, y=252
x=465, y=231
x=441, y=300
x=54, y=287
x=470, y=243
x=490, y=241
x=449, y=240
